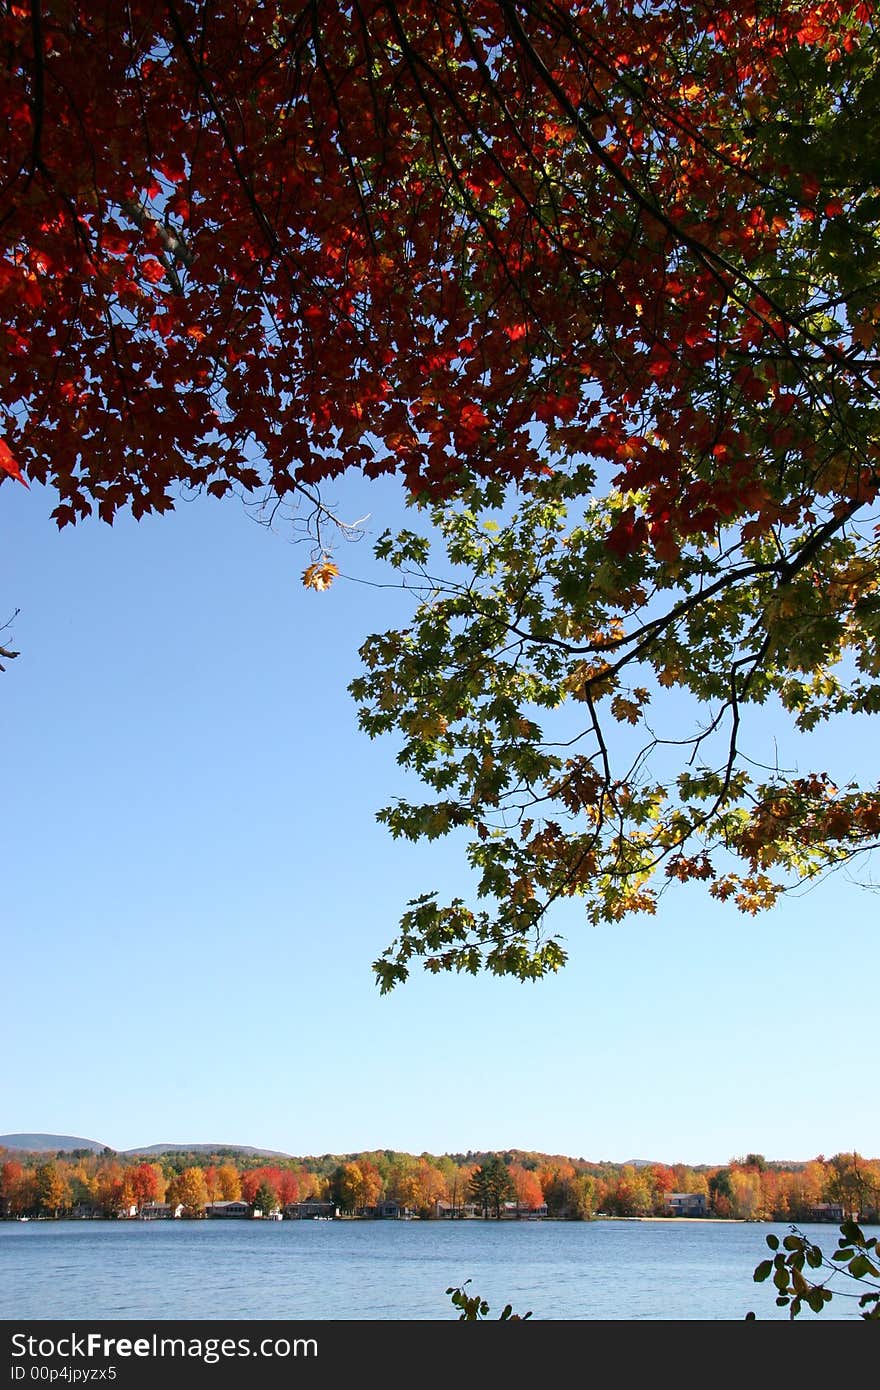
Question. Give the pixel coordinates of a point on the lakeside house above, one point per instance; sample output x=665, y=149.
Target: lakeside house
x=687, y=1204
x=310, y=1211
x=472, y=1211
x=512, y=1211
x=158, y=1211
x=827, y=1211
x=390, y=1211
x=448, y=1211
x=228, y=1210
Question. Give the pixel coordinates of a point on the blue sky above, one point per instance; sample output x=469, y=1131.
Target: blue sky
x=195, y=886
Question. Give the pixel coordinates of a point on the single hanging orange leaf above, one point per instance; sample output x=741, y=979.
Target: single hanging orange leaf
x=320, y=576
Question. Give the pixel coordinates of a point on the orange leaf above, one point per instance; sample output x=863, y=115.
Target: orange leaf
x=320, y=576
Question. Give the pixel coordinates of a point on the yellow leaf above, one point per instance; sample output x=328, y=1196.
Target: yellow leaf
x=320, y=576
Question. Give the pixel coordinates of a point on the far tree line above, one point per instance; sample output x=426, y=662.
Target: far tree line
x=746, y=1188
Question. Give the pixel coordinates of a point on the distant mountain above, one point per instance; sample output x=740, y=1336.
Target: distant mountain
x=64, y=1143
x=49, y=1143
x=208, y=1149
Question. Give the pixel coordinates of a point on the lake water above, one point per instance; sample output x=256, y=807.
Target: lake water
x=382, y=1270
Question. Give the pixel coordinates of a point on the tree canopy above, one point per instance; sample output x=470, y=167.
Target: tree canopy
x=254, y=245
x=600, y=276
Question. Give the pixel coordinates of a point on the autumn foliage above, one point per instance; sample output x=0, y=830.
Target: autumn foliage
x=600, y=281
x=260, y=244
x=515, y=1183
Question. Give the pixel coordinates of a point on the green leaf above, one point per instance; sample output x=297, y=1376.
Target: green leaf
x=780, y=1279
x=763, y=1271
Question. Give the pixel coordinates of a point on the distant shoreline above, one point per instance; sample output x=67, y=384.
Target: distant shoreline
x=441, y=1221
